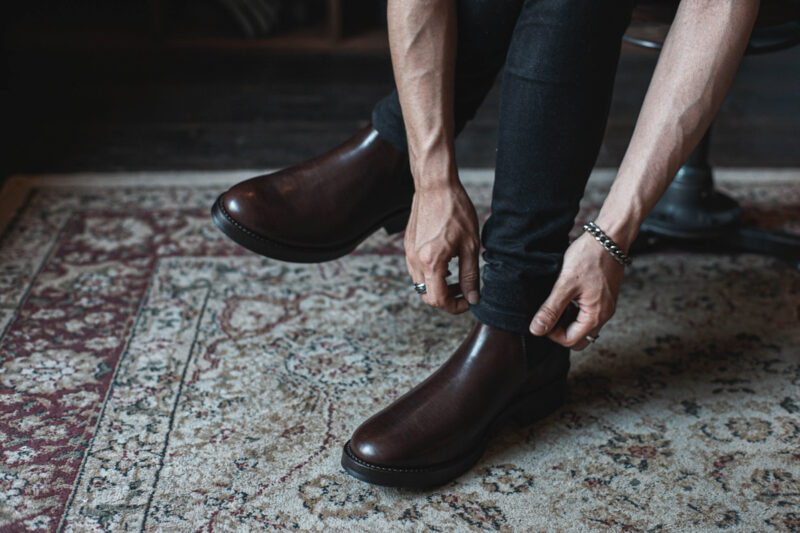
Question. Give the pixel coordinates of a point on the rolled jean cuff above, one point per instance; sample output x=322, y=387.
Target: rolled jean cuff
x=509, y=299
x=490, y=315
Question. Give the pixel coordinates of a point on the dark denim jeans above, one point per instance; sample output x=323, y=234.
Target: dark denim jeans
x=559, y=58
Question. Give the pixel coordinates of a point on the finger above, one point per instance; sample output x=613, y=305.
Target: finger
x=584, y=342
x=559, y=336
x=413, y=268
x=550, y=311
x=584, y=325
x=412, y=262
x=568, y=316
x=558, y=333
x=436, y=289
x=454, y=290
x=439, y=296
x=580, y=345
x=573, y=336
x=416, y=274
x=468, y=274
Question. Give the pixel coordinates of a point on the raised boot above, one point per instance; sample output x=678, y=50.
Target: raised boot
x=324, y=208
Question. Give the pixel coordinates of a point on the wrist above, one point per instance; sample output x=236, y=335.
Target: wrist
x=622, y=228
x=634, y=192
x=434, y=171
x=615, y=251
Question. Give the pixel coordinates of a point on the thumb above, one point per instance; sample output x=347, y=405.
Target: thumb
x=548, y=314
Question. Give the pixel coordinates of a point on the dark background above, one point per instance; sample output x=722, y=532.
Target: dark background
x=218, y=84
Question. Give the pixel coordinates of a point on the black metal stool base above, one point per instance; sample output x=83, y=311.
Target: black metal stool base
x=739, y=239
x=693, y=215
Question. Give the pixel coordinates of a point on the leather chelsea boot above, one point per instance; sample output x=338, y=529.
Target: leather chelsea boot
x=442, y=427
x=322, y=209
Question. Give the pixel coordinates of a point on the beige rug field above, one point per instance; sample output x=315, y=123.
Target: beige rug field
x=156, y=377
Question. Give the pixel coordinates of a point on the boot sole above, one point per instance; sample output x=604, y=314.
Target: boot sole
x=525, y=411
x=393, y=223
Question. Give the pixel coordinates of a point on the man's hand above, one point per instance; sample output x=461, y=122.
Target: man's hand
x=695, y=68
x=591, y=278
x=442, y=225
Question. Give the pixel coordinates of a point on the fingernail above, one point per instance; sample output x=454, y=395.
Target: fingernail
x=473, y=297
x=538, y=327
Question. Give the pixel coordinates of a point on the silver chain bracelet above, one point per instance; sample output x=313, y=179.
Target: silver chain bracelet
x=608, y=243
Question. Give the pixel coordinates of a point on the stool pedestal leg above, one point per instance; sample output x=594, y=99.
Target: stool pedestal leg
x=693, y=215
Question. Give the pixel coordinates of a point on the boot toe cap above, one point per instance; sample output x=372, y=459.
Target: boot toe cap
x=253, y=209
x=388, y=441
x=239, y=201
x=369, y=446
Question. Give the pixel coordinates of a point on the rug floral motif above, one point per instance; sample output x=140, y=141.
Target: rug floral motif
x=156, y=377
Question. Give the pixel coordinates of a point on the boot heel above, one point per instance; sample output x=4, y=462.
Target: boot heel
x=397, y=223
x=541, y=403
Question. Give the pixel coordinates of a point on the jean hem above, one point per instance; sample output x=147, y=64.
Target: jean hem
x=501, y=318
x=387, y=132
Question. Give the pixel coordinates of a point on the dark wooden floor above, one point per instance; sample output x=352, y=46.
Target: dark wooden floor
x=201, y=109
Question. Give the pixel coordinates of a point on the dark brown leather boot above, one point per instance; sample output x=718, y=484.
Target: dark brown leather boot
x=322, y=209
x=442, y=426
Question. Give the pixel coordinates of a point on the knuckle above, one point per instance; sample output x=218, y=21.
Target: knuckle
x=432, y=300
x=426, y=255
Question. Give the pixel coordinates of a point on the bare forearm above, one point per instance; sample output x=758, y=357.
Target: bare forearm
x=422, y=39
x=693, y=74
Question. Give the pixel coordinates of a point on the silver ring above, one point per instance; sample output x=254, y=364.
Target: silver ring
x=420, y=288
x=592, y=339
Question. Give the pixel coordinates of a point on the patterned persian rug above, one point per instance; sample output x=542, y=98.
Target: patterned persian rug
x=156, y=377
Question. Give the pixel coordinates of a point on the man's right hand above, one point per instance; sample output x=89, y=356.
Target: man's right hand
x=443, y=224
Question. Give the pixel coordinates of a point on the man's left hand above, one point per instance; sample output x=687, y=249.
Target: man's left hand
x=591, y=278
